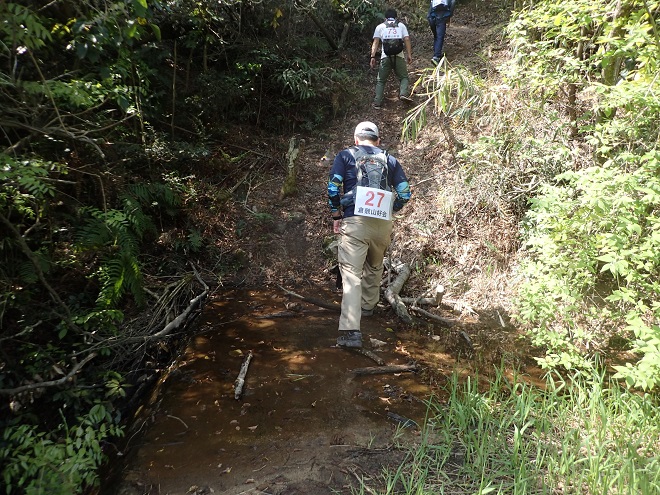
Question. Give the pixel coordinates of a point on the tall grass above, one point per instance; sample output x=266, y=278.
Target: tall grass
x=586, y=435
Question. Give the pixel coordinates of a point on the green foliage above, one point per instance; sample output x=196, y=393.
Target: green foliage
x=26, y=184
x=173, y=153
x=592, y=235
x=296, y=84
x=116, y=235
x=606, y=50
x=588, y=435
x=23, y=26
x=93, y=37
x=593, y=244
x=361, y=13
x=60, y=462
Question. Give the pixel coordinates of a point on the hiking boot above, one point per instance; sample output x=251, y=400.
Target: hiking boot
x=367, y=312
x=435, y=60
x=405, y=99
x=350, y=338
x=377, y=106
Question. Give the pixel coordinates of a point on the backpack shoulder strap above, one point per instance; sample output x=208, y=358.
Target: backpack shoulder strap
x=387, y=157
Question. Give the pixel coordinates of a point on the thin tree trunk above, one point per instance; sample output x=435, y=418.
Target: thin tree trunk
x=324, y=31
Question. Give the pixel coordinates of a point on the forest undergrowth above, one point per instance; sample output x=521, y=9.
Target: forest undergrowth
x=143, y=153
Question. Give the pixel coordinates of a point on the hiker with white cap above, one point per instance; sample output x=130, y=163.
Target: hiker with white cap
x=365, y=187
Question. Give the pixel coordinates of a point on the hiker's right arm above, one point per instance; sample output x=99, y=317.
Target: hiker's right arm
x=335, y=184
x=374, y=52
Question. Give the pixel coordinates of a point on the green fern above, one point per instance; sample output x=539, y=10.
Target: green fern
x=117, y=235
x=119, y=275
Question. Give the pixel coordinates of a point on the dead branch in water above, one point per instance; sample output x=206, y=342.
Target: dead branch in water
x=379, y=370
x=445, y=322
x=240, y=381
x=279, y=314
x=376, y=359
x=392, y=293
x=312, y=300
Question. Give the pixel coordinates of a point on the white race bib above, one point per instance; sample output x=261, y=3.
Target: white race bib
x=392, y=33
x=373, y=202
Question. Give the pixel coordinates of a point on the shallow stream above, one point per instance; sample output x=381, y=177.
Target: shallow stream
x=304, y=406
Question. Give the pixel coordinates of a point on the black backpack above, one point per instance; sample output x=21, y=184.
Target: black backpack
x=392, y=46
x=372, y=171
x=371, y=168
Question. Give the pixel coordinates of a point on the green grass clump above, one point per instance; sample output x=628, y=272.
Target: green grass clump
x=587, y=435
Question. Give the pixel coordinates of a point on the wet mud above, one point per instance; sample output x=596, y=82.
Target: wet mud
x=304, y=416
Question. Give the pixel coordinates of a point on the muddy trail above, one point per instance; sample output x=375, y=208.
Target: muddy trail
x=312, y=418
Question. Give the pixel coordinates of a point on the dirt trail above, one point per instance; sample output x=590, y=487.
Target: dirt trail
x=307, y=424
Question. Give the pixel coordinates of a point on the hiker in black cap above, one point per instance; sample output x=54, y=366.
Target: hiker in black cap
x=394, y=37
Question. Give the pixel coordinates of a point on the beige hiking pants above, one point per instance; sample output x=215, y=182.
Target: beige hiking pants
x=362, y=245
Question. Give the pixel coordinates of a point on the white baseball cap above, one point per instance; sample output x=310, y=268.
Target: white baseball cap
x=367, y=130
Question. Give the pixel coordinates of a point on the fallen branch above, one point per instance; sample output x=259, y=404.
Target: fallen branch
x=362, y=482
x=403, y=422
x=380, y=370
x=436, y=300
x=52, y=383
x=375, y=358
x=279, y=314
x=392, y=293
x=240, y=381
x=445, y=322
x=176, y=322
x=311, y=300
x=421, y=301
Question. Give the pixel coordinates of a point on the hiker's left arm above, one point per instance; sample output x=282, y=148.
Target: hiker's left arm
x=406, y=41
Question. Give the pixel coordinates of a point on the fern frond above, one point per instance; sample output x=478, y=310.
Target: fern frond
x=126, y=242
x=120, y=275
x=136, y=218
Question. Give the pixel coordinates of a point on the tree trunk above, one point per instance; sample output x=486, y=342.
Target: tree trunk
x=323, y=30
x=290, y=186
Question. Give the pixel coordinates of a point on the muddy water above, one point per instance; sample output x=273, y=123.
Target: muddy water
x=302, y=404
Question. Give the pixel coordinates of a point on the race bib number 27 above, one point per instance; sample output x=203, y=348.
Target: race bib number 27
x=373, y=202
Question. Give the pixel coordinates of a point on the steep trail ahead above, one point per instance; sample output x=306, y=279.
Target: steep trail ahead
x=306, y=423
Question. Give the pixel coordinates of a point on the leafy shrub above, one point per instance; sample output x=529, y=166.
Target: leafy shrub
x=593, y=242
x=592, y=235
x=61, y=462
